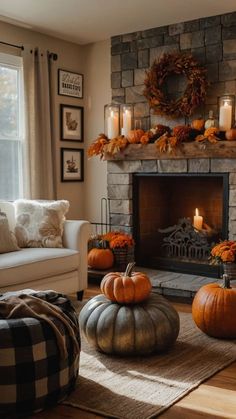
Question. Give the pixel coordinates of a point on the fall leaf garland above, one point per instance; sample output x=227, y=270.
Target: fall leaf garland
x=194, y=94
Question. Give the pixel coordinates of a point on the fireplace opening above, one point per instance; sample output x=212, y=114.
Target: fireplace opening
x=177, y=219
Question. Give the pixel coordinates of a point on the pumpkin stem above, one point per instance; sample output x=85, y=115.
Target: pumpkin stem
x=129, y=269
x=226, y=281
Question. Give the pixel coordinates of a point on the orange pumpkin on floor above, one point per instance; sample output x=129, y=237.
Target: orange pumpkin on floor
x=126, y=288
x=213, y=309
x=99, y=258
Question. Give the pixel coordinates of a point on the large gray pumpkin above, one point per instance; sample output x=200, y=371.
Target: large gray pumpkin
x=150, y=326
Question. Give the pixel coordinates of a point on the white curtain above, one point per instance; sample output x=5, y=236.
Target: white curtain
x=38, y=150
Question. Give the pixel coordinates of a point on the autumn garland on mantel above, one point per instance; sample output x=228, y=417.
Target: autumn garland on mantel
x=194, y=94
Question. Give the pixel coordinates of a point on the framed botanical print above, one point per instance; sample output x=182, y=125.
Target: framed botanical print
x=70, y=84
x=72, y=164
x=72, y=123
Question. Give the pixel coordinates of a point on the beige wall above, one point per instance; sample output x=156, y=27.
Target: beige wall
x=70, y=57
x=98, y=93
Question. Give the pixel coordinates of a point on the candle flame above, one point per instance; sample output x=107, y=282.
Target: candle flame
x=196, y=212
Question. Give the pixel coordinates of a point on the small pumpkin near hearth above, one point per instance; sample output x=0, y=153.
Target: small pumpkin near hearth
x=126, y=288
x=230, y=134
x=198, y=124
x=100, y=258
x=213, y=309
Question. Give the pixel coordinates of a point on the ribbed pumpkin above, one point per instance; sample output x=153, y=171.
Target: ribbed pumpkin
x=137, y=329
x=128, y=287
x=198, y=124
x=100, y=258
x=213, y=309
x=135, y=135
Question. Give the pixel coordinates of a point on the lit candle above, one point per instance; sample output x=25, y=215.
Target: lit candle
x=197, y=220
x=225, y=117
x=112, y=125
x=126, y=122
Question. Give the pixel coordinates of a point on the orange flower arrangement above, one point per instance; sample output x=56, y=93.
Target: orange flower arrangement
x=223, y=252
x=118, y=239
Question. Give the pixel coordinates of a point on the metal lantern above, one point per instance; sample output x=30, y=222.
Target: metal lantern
x=226, y=105
x=126, y=118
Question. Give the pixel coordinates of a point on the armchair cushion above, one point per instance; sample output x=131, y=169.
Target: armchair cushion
x=7, y=239
x=40, y=223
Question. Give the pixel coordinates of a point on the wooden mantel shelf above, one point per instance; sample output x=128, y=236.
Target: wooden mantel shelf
x=192, y=150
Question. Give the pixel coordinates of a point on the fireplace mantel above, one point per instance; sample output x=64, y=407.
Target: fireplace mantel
x=192, y=150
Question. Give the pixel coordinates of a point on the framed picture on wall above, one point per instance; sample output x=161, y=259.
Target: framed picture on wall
x=70, y=84
x=72, y=164
x=72, y=123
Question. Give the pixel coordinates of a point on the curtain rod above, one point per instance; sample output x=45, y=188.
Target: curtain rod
x=52, y=54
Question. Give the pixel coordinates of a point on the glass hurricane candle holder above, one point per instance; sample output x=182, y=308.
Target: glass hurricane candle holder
x=126, y=118
x=226, y=104
x=112, y=120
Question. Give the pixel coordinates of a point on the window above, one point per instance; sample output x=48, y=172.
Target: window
x=11, y=126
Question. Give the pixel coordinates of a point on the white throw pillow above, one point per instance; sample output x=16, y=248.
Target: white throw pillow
x=40, y=223
x=8, y=241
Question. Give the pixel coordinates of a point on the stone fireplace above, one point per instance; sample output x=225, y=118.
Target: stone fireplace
x=181, y=185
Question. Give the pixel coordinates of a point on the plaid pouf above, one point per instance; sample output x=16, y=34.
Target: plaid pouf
x=33, y=375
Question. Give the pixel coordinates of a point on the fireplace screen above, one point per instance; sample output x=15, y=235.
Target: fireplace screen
x=178, y=218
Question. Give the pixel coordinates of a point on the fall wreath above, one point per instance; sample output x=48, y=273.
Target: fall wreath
x=194, y=94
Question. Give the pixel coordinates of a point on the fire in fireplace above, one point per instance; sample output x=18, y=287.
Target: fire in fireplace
x=177, y=219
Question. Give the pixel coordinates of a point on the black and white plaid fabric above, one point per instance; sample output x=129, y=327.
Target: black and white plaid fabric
x=33, y=376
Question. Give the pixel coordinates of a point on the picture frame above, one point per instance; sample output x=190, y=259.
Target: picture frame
x=72, y=123
x=72, y=165
x=70, y=84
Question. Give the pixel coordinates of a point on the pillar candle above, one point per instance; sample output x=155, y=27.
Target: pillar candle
x=197, y=220
x=126, y=122
x=112, y=125
x=225, y=117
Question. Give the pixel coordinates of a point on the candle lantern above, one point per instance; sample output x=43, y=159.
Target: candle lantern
x=112, y=120
x=226, y=105
x=126, y=118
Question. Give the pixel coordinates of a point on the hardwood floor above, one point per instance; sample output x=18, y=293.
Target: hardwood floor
x=214, y=399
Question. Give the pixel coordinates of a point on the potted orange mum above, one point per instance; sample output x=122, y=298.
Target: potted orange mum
x=122, y=246
x=225, y=253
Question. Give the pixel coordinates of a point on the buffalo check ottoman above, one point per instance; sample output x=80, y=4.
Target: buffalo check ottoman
x=33, y=374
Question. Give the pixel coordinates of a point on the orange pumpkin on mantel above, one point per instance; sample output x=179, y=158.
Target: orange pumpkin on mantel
x=213, y=309
x=135, y=135
x=198, y=124
x=126, y=288
x=230, y=134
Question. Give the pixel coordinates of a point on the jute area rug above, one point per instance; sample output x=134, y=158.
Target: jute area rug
x=143, y=387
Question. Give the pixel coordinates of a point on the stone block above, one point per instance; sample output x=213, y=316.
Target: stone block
x=227, y=70
x=131, y=166
x=156, y=53
x=230, y=86
x=198, y=165
x=119, y=179
x=118, y=100
x=213, y=35
x=150, y=42
x=228, y=19
x=229, y=33
x=192, y=40
x=192, y=25
x=121, y=219
x=150, y=33
x=169, y=40
x=176, y=29
x=115, y=166
x=120, y=48
x=149, y=166
x=232, y=213
x=139, y=76
x=116, y=80
x=121, y=206
x=115, y=40
x=141, y=110
x=119, y=191
x=127, y=78
x=232, y=178
x=133, y=46
x=115, y=63
x=172, y=166
x=212, y=72
x=214, y=53
x=199, y=54
x=232, y=227
x=129, y=61
x=232, y=236
x=208, y=22
x=133, y=36
x=135, y=94
x=143, y=58
x=118, y=92
x=229, y=49
x=223, y=165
